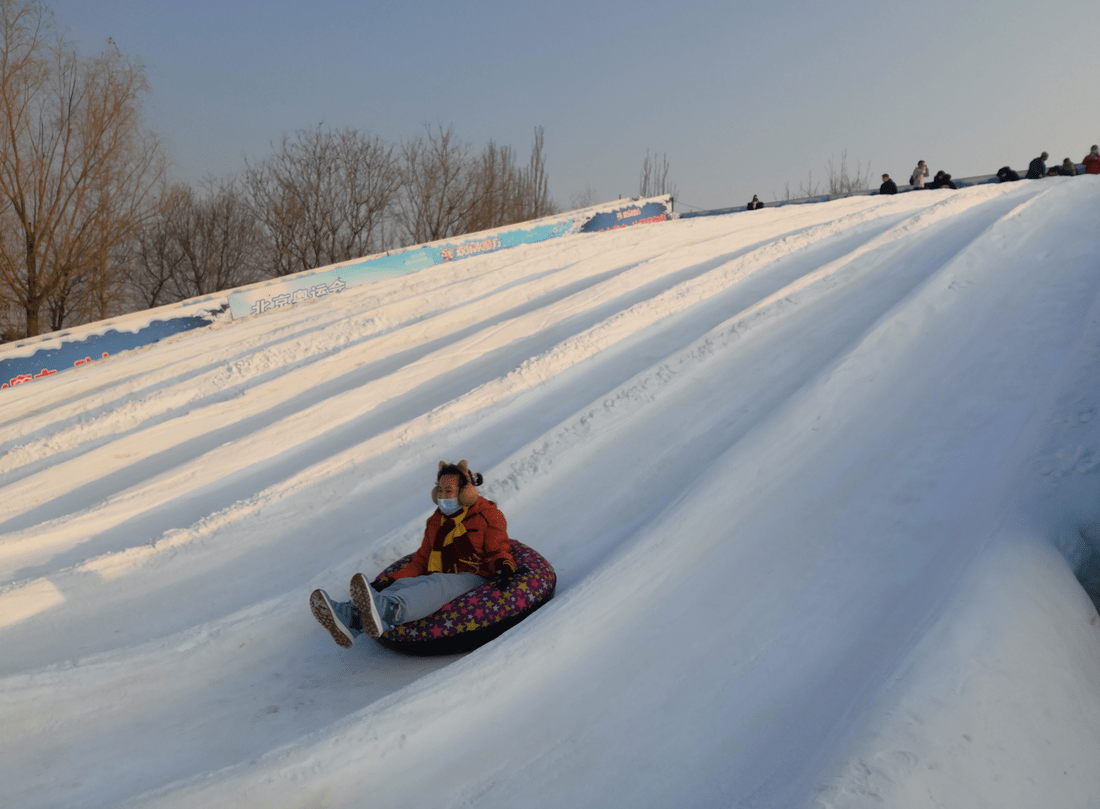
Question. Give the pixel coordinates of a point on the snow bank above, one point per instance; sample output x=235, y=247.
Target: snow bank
x=999, y=704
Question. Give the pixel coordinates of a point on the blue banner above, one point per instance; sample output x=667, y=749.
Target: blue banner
x=629, y=214
x=78, y=352
x=112, y=337
x=257, y=300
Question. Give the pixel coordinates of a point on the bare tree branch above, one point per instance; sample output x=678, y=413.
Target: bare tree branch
x=438, y=193
x=448, y=191
x=323, y=197
x=197, y=244
x=653, y=178
x=843, y=184
x=76, y=167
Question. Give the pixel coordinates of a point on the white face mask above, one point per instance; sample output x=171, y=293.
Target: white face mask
x=448, y=505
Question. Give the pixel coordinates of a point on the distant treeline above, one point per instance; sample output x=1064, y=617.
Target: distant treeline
x=91, y=226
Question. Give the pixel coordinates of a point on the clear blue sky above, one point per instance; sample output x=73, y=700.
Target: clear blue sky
x=742, y=97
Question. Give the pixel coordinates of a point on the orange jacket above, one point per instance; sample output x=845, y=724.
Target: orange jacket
x=478, y=540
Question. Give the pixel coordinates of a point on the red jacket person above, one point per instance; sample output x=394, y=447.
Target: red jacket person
x=465, y=545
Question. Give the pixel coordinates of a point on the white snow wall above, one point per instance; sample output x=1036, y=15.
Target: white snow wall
x=41, y=357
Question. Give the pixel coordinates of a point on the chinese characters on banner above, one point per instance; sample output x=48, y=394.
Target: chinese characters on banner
x=281, y=300
x=646, y=214
x=471, y=249
x=22, y=379
x=70, y=351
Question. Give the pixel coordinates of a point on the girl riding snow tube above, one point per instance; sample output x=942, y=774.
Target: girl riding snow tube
x=467, y=583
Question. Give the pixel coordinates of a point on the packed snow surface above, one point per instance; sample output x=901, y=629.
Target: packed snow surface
x=819, y=483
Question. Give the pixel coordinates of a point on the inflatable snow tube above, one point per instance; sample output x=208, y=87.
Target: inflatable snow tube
x=476, y=617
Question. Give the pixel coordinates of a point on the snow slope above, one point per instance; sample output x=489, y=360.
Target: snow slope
x=815, y=481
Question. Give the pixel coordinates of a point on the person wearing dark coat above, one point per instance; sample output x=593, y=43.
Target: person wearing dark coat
x=942, y=180
x=1006, y=175
x=1037, y=168
x=888, y=186
x=755, y=205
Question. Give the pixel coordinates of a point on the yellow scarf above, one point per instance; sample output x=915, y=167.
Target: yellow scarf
x=435, y=558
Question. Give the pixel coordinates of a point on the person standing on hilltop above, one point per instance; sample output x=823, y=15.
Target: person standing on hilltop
x=919, y=173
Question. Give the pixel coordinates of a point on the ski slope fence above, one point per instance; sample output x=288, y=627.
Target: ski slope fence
x=40, y=357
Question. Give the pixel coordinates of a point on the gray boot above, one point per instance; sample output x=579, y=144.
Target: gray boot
x=377, y=611
x=340, y=618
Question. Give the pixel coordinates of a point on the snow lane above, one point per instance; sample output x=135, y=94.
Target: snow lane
x=664, y=338
x=91, y=523
x=36, y=493
x=341, y=338
x=761, y=694
x=748, y=416
x=732, y=386
x=400, y=302
x=219, y=677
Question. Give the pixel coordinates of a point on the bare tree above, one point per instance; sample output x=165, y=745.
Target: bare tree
x=12, y=317
x=809, y=189
x=840, y=183
x=11, y=320
x=843, y=184
x=439, y=193
x=76, y=166
x=94, y=285
x=653, y=179
x=582, y=199
x=536, y=182
x=502, y=193
x=155, y=256
x=221, y=244
x=197, y=244
x=323, y=197
x=496, y=195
